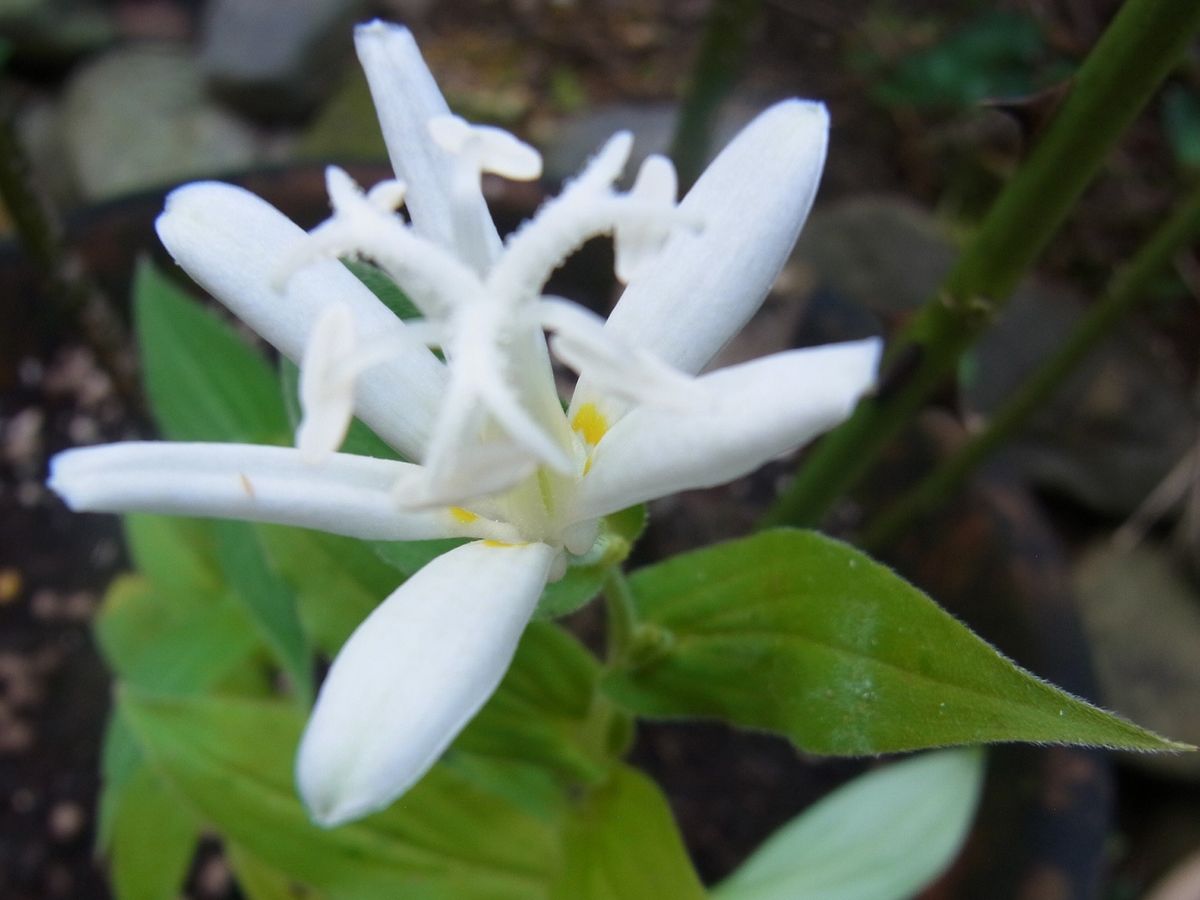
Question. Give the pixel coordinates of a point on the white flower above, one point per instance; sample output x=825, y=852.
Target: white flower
x=499, y=459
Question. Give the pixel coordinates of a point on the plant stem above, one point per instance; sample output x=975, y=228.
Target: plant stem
x=621, y=613
x=1129, y=286
x=726, y=35
x=1132, y=58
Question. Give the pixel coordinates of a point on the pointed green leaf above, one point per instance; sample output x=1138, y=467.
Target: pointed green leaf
x=267, y=599
x=883, y=836
x=178, y=555
x=259, y=881
x=546, y=710
x=534, y=789
x=388, y=292
x=120, y=759
x=232, y=759
x=171, y=642
x=621, y=843
x=796, y=633
x=153, y=840
x=337, y=580
x=203, y=381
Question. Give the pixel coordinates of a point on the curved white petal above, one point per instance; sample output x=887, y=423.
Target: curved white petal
x=233, y=244
x=756, y=411
x=637, y=245
x=434, y=279
x=344, y=494
x=406, y=99
x=413, y=674
x=492, y=149
x=327, y=385
x=750, y=204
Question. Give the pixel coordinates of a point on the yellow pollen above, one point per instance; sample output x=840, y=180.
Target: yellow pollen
x=465, y=516
x=491, y=543
x=590, y=423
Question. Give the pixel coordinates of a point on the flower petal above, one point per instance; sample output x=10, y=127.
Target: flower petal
x=344, y=494
x=406, y=99
x=233, y=243
x=756, y=411
x=749, y=204
x=413, y=674
x=636, y=245
x=327, y=385
x=493, y=149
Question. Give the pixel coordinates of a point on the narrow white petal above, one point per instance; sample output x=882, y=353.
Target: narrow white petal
x=628, y=373
x=232, y=243
x=413, y=674
x=432, y=277
x=750, y=203
x=500, y=367
x=477, y=479
x=327, y=384
x=637, y=244
x=388, y=195
x=491, y=149
x=757, y=411
x=406, y=99
x=345, y=494
x=584, y=209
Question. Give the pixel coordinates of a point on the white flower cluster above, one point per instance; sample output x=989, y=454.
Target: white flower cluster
x=496, y=458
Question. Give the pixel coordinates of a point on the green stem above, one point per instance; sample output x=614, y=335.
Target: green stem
x=622, y=615
x=1128, y=287
x=726, y=35
x=1132, y=58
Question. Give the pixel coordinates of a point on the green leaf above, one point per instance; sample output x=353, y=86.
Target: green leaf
x=622, y=844
x=120, y=759
x=178, y=555
x=529, y=787
x=995, y=55
x=232, y=759
x=799, y=634
x=388, y=292
x=337, y=580
x=258, y=881
x=883, y=836
x=267, y=599
x=546, y=709
x=1181, y=122
x=153, y=839
x=203, y=381
x=172, y=642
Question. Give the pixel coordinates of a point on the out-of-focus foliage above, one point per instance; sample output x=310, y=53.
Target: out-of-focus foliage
x=996, y=54
x=1181, y=121
x=883, y=836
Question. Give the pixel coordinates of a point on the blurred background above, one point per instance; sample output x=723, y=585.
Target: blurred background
x=1076, y=549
